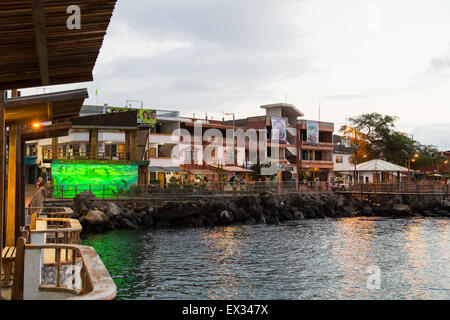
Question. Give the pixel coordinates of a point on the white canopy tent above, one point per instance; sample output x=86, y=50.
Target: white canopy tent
x=369, y=171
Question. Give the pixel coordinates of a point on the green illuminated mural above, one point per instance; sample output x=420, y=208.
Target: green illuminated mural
x=108, y=180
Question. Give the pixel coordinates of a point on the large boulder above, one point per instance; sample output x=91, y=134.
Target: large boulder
x=401, y=209
x=113, y=209
x=94, y=217
x=178, y=212
x=82, y=203
x=226, y=217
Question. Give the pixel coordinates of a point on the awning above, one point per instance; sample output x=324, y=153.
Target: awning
x=172, y=169
x=233, y=169
x=204, y=172
x=165, y=169
x=376, y=165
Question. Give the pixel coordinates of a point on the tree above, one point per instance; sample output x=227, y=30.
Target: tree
x=376, y=138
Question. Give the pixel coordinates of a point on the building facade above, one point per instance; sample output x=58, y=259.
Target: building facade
x=183, y=149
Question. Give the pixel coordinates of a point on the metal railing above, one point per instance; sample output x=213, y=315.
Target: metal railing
x=59, y=230
x=85, y=155
x=401, y=188
x=174, y=190
x=92, y=282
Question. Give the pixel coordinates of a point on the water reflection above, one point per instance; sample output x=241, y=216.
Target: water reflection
x=313, y=259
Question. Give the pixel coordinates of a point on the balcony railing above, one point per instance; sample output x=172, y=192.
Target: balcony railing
x=67, y=270
x=82, y=277
x=83, y=155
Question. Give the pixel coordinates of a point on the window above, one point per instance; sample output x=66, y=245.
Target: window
x=190, y=156
x=111, y=150
x=339, y=159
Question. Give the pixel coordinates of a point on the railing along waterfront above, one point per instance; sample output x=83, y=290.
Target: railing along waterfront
x=400, y=188
x=68, y=269
x=176, y=190
x=92, y=282
x=57, y=230
x=50, y=212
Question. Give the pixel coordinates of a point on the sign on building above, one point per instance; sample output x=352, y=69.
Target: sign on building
x=278, y=130
x=145, y=117
x=312, y=132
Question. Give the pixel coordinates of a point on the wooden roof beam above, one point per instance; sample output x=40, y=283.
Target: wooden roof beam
x=41, y=39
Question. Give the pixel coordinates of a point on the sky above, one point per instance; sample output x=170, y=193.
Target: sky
x=349, y=57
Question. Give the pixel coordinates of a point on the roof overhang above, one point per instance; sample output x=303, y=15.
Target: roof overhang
x=288, y=109
x=114, y=121
x=44, y=107
x=37, y=48
x=45, y=132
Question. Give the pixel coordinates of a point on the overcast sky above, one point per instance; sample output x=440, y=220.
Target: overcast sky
x=348, y=56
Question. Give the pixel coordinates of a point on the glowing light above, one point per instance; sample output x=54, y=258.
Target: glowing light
x=416, y=155
x=36, y=125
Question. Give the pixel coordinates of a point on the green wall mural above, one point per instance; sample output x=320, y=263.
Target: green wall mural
x=108, y=180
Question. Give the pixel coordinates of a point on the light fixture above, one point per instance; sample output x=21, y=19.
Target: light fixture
x=36, y=125
x=416, y=155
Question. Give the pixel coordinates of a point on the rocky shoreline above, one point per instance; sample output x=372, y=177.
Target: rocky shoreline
x=265, y=208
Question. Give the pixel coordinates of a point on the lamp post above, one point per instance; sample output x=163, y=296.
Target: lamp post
x=229, y=114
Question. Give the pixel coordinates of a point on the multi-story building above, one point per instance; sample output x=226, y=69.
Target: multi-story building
x=342, y=157
x=180, y=149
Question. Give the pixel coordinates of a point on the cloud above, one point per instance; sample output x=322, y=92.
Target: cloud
x=200, y=54
x=437, y=134
x=437, y=71
x=345, y=97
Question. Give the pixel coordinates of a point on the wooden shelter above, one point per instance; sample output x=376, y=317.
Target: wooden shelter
x=38, y=48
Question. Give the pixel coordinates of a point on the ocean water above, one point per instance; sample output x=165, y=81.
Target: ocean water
x=354, y=258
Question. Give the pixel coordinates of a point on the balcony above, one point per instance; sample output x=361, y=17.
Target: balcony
x=47, y=156
x=161, y=138
x=164, y=162
x=50, y=264
x=321, y=164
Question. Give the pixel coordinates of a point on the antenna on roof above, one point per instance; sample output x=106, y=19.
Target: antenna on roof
x=319, y=109
x=285, y=98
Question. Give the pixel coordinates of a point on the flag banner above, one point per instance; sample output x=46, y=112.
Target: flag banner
x=278, y=130
x=312, y=132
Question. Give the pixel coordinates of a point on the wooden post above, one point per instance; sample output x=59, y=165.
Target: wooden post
x=2, y=170
x=11, y=197
x=55, y=148
x=93, y=144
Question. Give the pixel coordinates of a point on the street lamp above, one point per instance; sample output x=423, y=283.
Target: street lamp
x=229, y=114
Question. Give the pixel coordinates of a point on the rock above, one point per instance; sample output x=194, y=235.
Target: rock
x=298, y=215
x=113, y=209
x=178, y=212
x=226, y=217
x=127, y=224
x=94, y=217
x=148, y=220
x=141, y=214
x=129, y=214
x=368, y=211
x=401, y=209
x=262, y=220
x=82, y=203
x=443, y=213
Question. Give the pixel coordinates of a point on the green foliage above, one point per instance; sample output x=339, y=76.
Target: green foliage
x=377, y=138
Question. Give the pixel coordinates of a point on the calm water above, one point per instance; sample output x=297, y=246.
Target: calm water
x=315, y=259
